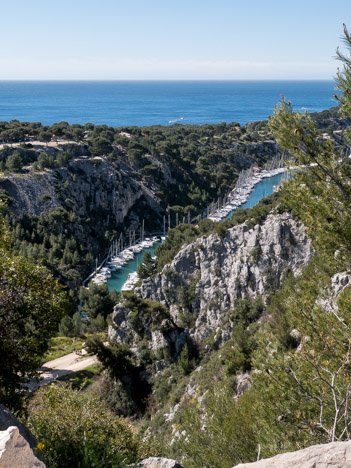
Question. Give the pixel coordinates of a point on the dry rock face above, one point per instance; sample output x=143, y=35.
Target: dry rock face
x=213, y=273
x=339, y=282
x=333, y=455
x=15, y=451
x=88, y=185
x=154, y=462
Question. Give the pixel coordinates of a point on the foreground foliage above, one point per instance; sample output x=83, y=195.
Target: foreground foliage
x=75, y=430
x=31, y=305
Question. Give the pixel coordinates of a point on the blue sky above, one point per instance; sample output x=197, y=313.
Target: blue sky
x=163, y=39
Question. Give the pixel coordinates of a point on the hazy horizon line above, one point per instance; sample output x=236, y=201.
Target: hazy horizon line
x=163, y=80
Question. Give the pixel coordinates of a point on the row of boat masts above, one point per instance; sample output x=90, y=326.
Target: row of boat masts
x=238, y=195
x=120, y=254
x=123, y=249
x=246, y=183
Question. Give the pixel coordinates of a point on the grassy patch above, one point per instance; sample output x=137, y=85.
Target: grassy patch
x=62, y=345
x=83, y=378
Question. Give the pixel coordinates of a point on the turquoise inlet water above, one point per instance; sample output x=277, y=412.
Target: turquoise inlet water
x=263, y=189
x=119, y=277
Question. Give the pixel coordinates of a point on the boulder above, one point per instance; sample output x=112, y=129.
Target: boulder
x=154, y=462
x=7, y=419
x=15, y=451
x=333, y=455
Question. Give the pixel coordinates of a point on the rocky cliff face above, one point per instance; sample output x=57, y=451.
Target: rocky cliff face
x=86, y=186
x=154, y=462
x=7, y=419
x=207, y=277
x=32, y=194
x=102, y=194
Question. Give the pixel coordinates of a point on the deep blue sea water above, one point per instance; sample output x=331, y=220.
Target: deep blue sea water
x=123, y=103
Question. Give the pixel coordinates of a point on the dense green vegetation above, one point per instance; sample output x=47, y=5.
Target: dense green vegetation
x=31, y=305
x=50, y=239
x=188, y=166
x=75, y=430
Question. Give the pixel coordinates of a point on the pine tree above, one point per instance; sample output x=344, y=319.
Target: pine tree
x=321, y=193
x=14, y=162
x=147, y=267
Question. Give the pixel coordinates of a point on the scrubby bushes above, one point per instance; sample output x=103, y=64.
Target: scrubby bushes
x=96, y=300
x=145, y=314
x=74, y=429
x=121, y=364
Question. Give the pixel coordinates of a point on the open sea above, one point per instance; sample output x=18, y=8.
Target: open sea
x=126, y=103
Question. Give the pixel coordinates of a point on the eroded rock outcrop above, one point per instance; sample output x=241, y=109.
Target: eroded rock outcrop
x=154, y=462
x=339, y=282
x=85, y=186
x=7, y=419
x=333, y=455
x=15, y=452
x=207, y=277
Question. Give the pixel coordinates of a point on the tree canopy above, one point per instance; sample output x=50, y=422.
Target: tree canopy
x=31, y=305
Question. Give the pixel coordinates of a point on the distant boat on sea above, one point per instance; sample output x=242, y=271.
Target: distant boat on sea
x=177, y=120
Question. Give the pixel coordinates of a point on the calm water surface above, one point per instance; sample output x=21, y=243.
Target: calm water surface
x=119, y=277
x=262, y=190
x=123, y=103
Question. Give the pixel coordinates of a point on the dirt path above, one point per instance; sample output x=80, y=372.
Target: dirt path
x=52, y=370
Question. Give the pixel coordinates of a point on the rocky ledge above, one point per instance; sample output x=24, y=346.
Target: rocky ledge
x=85, y=185
x=333, y=455
x=15, y=451
x=154, y=462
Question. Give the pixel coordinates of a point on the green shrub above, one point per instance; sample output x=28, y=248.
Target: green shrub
x=145, y=314
x=72, y=326
x=219, y=434
x=75, y=430
x=185, y=363
x=45, y=196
